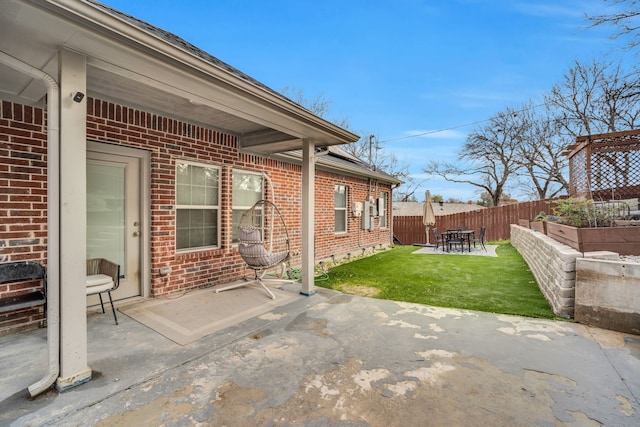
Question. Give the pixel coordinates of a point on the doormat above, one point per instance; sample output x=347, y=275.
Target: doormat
x=203, y=312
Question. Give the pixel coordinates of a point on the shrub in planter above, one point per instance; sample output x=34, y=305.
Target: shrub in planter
x=581, y=213
x=542, y=216
x=587, y=229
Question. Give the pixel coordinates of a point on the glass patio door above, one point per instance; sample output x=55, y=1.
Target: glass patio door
x=113, y=217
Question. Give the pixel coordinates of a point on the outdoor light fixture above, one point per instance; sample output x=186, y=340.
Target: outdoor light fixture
x=78, y=96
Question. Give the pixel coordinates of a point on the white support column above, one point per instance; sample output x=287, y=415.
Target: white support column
x=308, y=218
x=73, y=177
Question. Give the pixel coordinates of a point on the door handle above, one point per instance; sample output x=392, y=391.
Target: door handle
x=136, y=234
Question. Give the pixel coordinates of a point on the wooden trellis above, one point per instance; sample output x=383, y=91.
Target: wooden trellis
x=605, y=166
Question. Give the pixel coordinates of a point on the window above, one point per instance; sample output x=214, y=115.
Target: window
x=247, y=190
x=340, y=201
x=197, y=206
x=382, y=209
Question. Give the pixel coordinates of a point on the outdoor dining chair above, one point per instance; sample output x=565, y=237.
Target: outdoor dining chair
x=480, y=238
x=103, y=276
x=438, y=238
x=455, y=238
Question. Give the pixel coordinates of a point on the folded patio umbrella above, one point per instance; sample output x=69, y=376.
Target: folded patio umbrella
x=428, y=215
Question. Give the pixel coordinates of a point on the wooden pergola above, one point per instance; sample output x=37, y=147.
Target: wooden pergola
x=605, y=166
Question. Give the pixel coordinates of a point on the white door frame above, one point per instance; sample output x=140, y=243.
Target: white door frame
x=145, y=204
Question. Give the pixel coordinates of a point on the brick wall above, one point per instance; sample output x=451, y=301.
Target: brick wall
x=23, y=191
x=356, y=241
x=23, y=199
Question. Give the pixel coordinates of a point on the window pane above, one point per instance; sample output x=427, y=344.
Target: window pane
x=210, y=227
x=341, y=221
x=106, y=212
x=196, y=228
x=211, y=184
x=383, y=216
x=340, y=196
x=182, y=229
x=183, y=194
x=182, y=172
x=198, y=195
x=196, y=185
x=340, y=202
x=198, y=176
x=247, y=188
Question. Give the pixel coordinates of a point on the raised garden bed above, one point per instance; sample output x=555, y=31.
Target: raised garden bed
x=623, y=240
x=539, y=226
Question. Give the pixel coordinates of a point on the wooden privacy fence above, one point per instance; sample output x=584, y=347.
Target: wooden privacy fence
x=409, y=229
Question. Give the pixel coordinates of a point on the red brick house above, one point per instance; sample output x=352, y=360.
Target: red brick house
x=120, y=140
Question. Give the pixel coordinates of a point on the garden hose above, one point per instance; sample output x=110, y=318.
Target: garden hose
x=295, y=274
x=319, y=274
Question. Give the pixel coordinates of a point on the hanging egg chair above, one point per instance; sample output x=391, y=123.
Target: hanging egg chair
x=263, y=242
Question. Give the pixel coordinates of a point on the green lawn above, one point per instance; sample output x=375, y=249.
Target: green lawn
x=498, y=285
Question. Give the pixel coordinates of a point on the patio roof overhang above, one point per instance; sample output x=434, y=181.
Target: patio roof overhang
x=133, y=63
x=115, y=57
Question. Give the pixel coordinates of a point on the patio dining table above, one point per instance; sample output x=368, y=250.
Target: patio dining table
x=458, y=236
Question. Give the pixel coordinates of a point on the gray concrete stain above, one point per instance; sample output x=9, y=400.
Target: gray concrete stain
x=364, y=362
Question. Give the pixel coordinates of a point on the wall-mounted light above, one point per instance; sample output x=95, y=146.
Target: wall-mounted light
x=78, y=96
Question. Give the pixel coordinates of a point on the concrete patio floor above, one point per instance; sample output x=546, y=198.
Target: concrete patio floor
x=338, y=360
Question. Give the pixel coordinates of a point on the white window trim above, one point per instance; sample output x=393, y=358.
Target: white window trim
x=217, y=206
x=384, y=195
x=233, y=206
x=346, y=209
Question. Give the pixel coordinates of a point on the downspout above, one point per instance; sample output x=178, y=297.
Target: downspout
x=392, y=242
x=53, y=220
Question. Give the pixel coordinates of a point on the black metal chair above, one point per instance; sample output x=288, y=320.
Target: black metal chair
x=440, y=241
x=480, y=238
x=454, y=238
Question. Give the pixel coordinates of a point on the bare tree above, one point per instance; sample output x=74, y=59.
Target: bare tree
x=618, y=105
x=488, y=158
x=541, y=157
x=625, y=20
x=596, y=98
x=573, y=98
x=368, y=148
x=320, y=105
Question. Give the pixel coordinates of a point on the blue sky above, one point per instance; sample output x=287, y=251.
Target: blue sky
x=397, y=68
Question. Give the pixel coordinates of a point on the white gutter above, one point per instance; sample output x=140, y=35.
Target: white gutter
x=53, y=220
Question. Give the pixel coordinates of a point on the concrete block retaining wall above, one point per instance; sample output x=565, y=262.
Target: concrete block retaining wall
x=596, y=288
x=552, y=263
